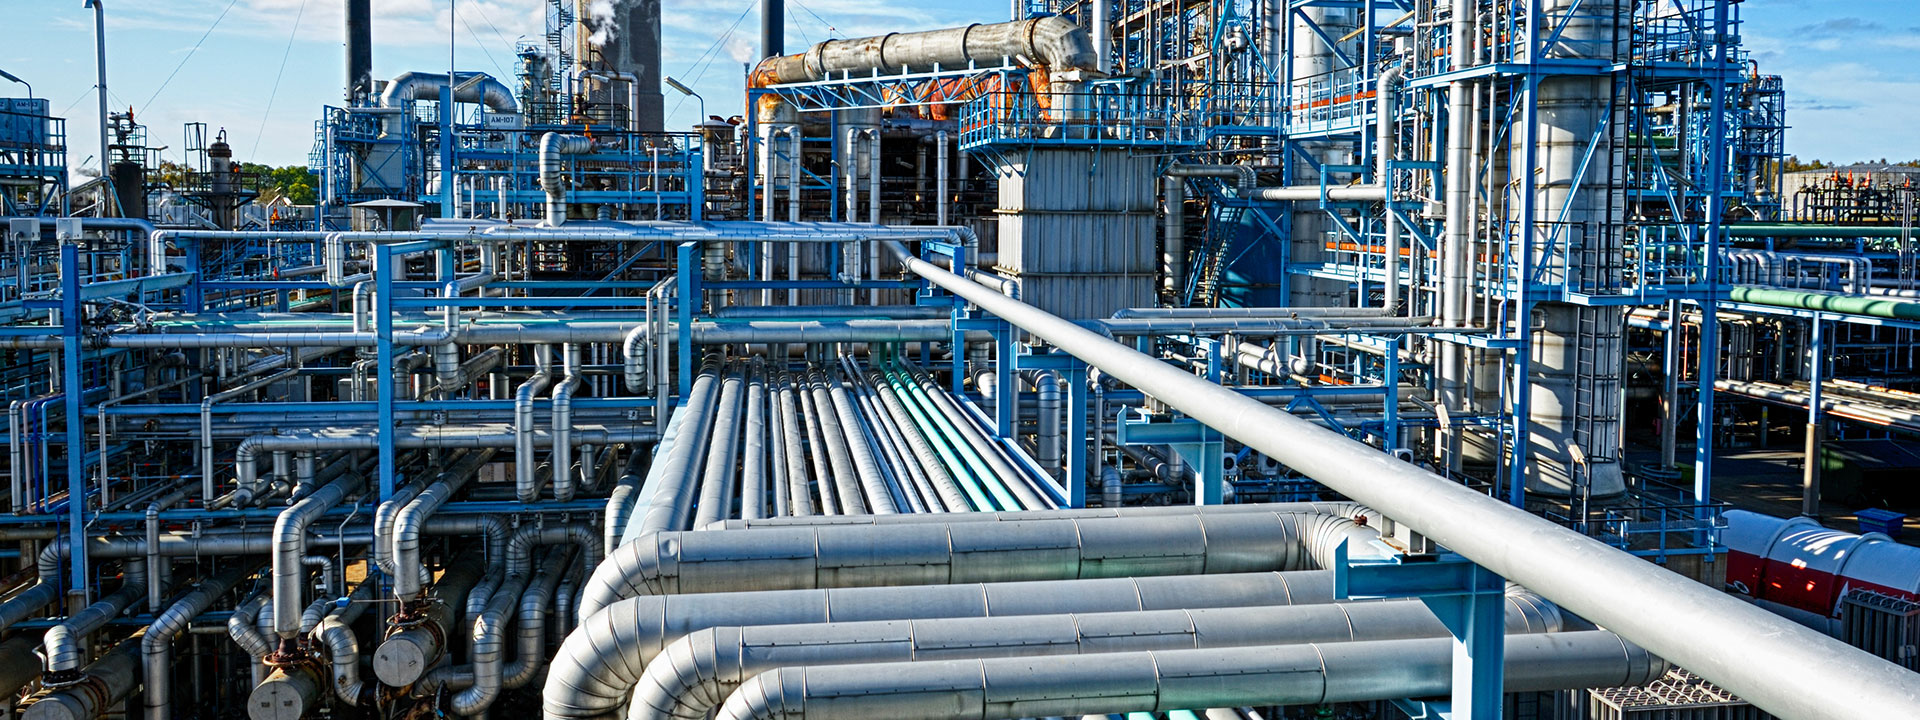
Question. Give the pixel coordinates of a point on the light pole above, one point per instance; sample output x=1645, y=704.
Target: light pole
x=16, y=78
x=687, y=91
x=100, y=65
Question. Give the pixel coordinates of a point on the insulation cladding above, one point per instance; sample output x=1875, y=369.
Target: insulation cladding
x=1077, y=229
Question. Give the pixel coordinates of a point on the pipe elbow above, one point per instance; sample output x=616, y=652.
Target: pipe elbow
x=766, y=697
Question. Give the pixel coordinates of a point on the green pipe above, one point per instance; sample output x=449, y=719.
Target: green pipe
x=951, y=465
x=1870, y=305
x=1783, y=230
x=978, y=488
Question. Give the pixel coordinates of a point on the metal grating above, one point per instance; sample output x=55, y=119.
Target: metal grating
x=1678, y=696
x=1882, y=624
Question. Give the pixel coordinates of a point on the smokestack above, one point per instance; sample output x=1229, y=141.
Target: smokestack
x=359, y=48
x=773, y=29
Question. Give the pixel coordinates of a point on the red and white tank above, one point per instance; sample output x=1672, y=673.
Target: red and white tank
x=1799, y=569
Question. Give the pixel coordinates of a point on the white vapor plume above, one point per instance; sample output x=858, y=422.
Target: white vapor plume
x=600, y=18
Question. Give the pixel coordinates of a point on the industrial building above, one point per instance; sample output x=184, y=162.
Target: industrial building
x=1142, y=359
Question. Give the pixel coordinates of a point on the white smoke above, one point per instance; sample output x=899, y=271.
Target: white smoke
x=741, y=49
x=600, y=18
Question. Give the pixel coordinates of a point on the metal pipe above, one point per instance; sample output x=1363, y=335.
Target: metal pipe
x=1054, y=42
x=723, y=452
x=101, y=686
x=602, y=660
x=63, y=647
x=552, y=146
x=704, y=667
x=1781, y=667
x=531, y=655
x=526, y=484
x=407, y=653
x=468, y=87
x=489, y=647
x=157, y=645
x=873, y=483
x=945, y=490
x=565, y=478
x=799, y=499
x=808, y=556
x=753, y=463
x=1159, y=681
x=670, y=505
x=1386, y=139
x=834, y=439
x=290, y=546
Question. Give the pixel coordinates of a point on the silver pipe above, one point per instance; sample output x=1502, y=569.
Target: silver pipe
x=335, y=633
x=1159, y=681
x=468, y=87
x=879, y=498
x=552, y=146
x=157, y=645
x=290, y=546
x=531, y=655
x=809, y=556
x=625, y=493
x=834, y=438
x=1781, y=667
x=915, y=488
x=526, y=486
x=411, y=521
x=1052, y=435
x=723, y=453
x=799, y=499
x=602, y=660
x=672, y=505
x=1003, y=471
x=946, y=492
x=940, y=184
x=704, y=667
x=63, y=647
x=18, y=663
x=753, y=462
x=406, y=654
x=489, y=648
x=101, y=686
x=1313, y=193
x=1055, y=42
x=1386, y=137
x=565, y=479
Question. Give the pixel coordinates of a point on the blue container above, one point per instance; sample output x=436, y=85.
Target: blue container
x=1886, y=522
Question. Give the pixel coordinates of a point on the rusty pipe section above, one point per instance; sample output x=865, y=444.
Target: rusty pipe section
x=1054, y=43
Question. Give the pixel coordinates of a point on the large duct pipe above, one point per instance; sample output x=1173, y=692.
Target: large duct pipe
x=1054, y=42
x=290, y=545
x=64, y=645
x=419, y=640
x=469, y=87
x=602, y=659
x=1160, y=681
x=526, y=485
x=1341, y=509
x=1173, y=258
x=565, y=478
x=780, y=558
x=704, y=667
x=1785, y=669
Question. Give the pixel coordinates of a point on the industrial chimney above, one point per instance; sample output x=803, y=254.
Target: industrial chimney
x=359, y=49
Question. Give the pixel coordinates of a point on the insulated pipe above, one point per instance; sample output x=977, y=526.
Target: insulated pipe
x=552, y=146
x=1003, y=471
x=799, y=499
x=1220, y=313
x=602, y=660
x=873, y=484
x=940, y=184
x=1316, y=193
x=1252, y=326
x=753, y=462
x=415, y=645
x=489, y=648
x=531, y=628
x=1386, y=140
x=1783, y=668
x=335, y=633
x=1054, y=42
x=290, y=545
x=565, y=480
x=625, y=493
x=671, y=505
x=100, y=687
x=813, y=556
x=846, y=480
x=948, y=493
x=916, y=489
x=63, y=647
x=1160, y=681
x=156, y=646
x=519, y=558
x=704, y=667
x=1174, y=253
x=1051, y=438
x=44, y=590
x=526, y=484
x=18, y=664
x=469, y=87
x=723, y=452
x=411, y=522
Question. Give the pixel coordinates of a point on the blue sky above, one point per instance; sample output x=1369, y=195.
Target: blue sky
x=1849, y=66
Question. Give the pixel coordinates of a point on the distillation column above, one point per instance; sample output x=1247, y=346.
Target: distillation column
x=1313, y=65
x=1578, y=352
